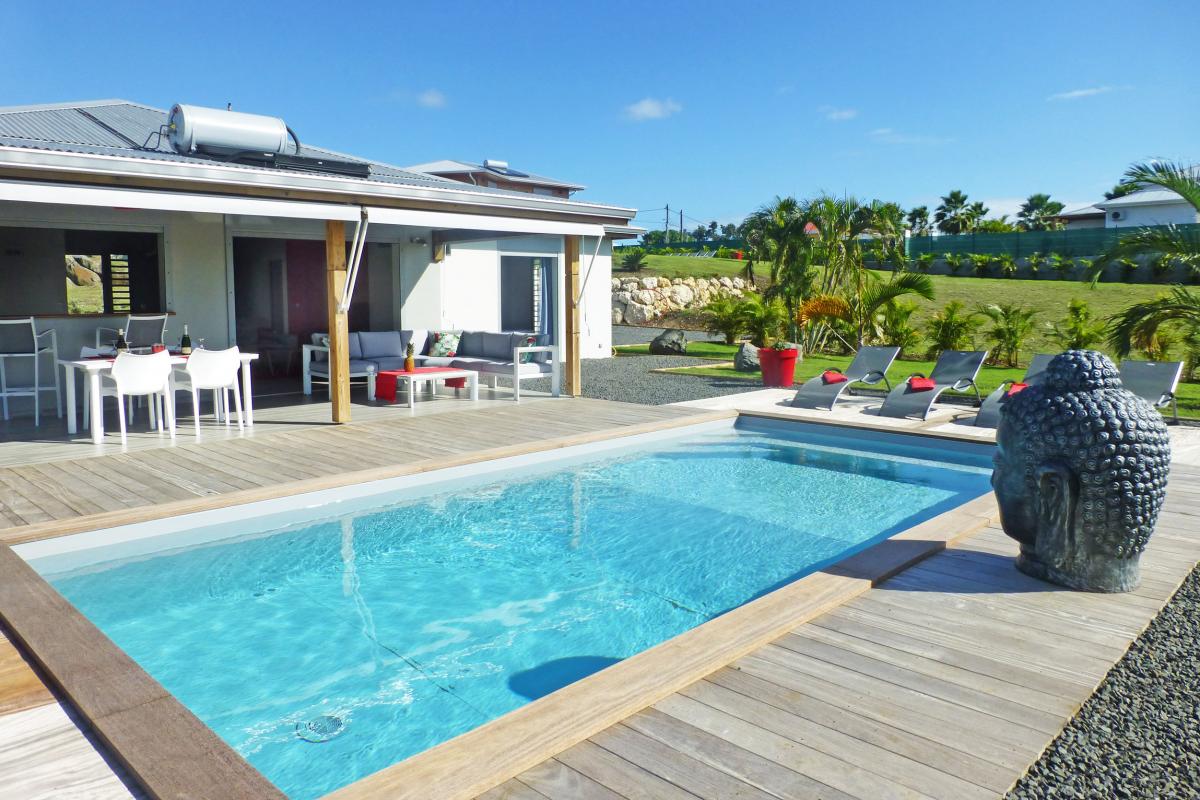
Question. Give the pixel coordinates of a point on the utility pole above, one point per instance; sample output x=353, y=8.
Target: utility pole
x=666, y=224
x=681, y=224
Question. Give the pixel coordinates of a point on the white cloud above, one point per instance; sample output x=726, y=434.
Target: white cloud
x=838, y=114
x=1076, y=94
x=431, y=98
x=652, y=108
x=893, y=136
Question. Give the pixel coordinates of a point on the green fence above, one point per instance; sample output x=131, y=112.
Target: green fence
x=692, y=246
x=1078, y=243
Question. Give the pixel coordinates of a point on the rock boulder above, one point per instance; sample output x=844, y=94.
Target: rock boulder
x=671, y=342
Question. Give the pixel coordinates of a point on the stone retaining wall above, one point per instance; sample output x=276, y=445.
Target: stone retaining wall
x=638, y=300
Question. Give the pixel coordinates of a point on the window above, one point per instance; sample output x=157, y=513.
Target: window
x=111, y=272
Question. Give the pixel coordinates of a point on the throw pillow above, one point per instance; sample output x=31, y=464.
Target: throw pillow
x=445, y=343
x=528, y=341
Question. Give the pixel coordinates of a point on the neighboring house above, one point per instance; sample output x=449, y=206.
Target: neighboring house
x=496, y=174
x=1145, y=207
x=233, y=243
x=1086, y=217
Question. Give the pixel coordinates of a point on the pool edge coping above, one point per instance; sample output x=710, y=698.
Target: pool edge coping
x=169, y=751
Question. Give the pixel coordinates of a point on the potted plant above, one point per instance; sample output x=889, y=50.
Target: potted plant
x=778, y=364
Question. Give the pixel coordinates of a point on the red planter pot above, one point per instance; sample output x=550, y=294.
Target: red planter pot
x=778, y=366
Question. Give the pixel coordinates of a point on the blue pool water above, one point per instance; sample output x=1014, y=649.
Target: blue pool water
x=326, y=650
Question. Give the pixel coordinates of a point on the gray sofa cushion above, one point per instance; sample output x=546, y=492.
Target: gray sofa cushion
x=496, y=345
x=434, y=361
x=389, y=362
x=357, y=367
x=470, y=344
x=381, y=344
x=322, y=338
x=355, y=347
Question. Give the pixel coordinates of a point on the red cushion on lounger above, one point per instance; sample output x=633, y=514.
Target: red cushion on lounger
x=833, y=376
x=919, y=384
x=1016, y=387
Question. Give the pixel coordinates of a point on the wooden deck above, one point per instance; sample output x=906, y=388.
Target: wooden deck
x=946, y=681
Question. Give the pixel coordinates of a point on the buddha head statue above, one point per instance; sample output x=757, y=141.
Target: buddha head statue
x=1080, y=474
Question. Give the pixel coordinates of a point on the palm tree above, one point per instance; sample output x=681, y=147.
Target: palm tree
x=1137, y=326
x=1062, y=265
x=862, y=310
x=952, y=215
x=975, y=214
x=1011, y=326
x=1171, y=241
x=1038, y=212
x=918, y=221
x=633, y=260
x=763, y=318
x=1080, y=330
x=952, y=328
x=1008, y=265
x=955, y=262
x=725, y=316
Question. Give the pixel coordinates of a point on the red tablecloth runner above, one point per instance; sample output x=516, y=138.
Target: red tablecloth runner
x=385, y=381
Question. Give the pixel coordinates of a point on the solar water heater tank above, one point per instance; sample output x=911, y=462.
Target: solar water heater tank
x=215, y=131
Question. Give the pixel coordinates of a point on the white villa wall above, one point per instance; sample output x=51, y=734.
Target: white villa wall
x=1180, y=213
x=470, y=287
x=420, y=286
x=595, y=312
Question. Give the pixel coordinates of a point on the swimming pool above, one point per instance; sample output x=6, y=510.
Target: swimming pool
x=330, y=635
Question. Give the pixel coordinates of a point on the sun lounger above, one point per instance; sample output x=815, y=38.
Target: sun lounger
x=989, y=412
x=869, y=366
x=1154, y=381
x=955, y=369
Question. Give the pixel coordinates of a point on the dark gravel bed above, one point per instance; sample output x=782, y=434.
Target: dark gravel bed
x=628, y=379
x=1138, y=736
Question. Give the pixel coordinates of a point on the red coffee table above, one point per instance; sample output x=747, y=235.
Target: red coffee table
x=388, y=381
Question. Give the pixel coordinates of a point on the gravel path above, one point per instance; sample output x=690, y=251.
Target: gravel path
x=628, y=379
x=1138, y=736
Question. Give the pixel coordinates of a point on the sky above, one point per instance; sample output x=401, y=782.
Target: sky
x=712, y=108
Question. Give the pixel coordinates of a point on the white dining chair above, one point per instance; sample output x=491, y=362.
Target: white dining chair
x=19, y=339
x=149, y=375
x=215, y=370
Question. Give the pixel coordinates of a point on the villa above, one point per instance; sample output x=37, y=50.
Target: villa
x=850, y=589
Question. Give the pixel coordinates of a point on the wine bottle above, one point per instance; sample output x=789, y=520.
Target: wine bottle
x=185, y=344
x=121, y=345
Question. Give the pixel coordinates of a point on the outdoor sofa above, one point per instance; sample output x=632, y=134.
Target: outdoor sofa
x=516, y=356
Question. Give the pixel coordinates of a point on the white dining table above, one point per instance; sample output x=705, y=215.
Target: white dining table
x=93, y=368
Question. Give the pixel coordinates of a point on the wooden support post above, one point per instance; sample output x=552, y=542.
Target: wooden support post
x=572, y=379
x=339, y=333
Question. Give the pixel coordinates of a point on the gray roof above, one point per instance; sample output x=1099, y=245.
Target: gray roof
x=451, y=167
x=1085, y=211
x=1142, y=197
x=127, y=129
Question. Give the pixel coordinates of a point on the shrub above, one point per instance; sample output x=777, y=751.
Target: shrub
x=633, y=259
x=1079, y=330
x=1035, y=261
x=763, y=319
x=1161, y=267
x=725, y=316
x=983, y=265
x=1062, y=265
x=955, y=262
x=1011, y=326
x=952, y=328
x=1007, y=264
x=895, y=326
x=924, y=262
x=726, y=252
x=1129, y=269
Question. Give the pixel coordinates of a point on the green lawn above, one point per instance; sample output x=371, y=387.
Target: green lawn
x=1048, y=297
x=989, y=377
